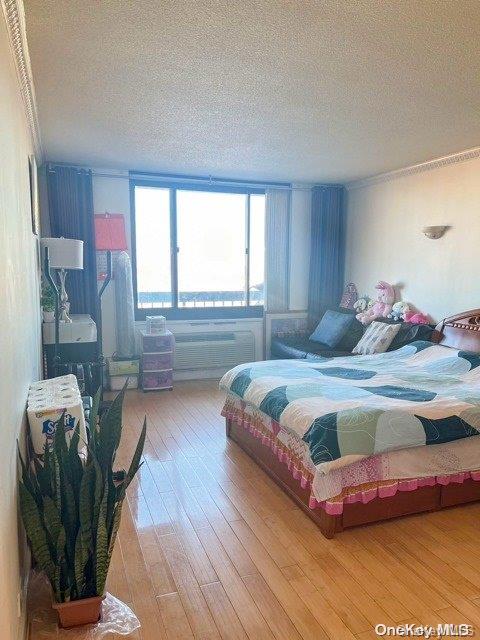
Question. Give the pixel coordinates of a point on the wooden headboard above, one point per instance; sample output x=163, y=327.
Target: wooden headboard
x=461, y=331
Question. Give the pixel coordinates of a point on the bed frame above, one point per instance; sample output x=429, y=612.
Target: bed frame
x=461, y=331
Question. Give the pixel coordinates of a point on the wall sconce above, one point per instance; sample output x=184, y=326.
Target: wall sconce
x=435, y=232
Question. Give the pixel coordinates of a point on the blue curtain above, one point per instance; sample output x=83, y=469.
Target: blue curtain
x=70, y=204
x=327, y=256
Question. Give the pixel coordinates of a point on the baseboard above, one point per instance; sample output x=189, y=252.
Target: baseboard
x=200, y=374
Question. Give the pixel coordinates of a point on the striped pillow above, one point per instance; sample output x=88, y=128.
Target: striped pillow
x=377, y=338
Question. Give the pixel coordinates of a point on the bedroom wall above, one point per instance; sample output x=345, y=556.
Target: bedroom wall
x=385, y=241
x=20, y=332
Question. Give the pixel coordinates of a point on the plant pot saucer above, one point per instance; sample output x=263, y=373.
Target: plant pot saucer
x=79, y=612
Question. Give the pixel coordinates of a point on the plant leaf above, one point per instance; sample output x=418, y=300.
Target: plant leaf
x=95, y=407
x=117, y=515
x=60, y=441
x=97, y=493
x=111, y=500
x=57, y=485
x=74, y=461
x=47, y=465
x=28, y=480
x=81, y=558
x=36, y=533
x=110, y=430
x=69, y=514
x=85, y=508
x=43, y=478
x=52, y=520
x=101, y=555
x=135, y=463
x=60, y=553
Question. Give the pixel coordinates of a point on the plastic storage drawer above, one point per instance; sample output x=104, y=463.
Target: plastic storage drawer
x=155, y=344
x=156, y=361
x=157, y=380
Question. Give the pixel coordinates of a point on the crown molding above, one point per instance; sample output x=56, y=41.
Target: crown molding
x=15, y=21
x=429, y=165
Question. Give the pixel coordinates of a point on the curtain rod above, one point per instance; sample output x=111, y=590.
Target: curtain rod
x=197, y=180
x=206, y=181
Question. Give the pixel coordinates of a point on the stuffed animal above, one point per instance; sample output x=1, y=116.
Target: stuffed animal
x=416, y=318
x=362, y=304
x=350, y=296
x=399, y=310
x=382, y=306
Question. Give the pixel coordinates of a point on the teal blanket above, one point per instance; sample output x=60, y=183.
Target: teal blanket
x=349, y=408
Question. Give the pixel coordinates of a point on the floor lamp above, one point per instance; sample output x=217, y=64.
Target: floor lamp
x=109, y=236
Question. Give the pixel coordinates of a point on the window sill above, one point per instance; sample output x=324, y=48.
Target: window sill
x=213, y=314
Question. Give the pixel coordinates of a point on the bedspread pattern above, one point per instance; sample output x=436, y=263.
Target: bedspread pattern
x=350, y=408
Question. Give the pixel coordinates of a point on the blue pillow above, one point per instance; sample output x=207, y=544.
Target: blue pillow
x=332, y=327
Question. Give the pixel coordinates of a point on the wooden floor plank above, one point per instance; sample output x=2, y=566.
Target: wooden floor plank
x=194, y=604
x=210, y=548
x=195, y=553
x=223, y=612
x=278, y=621
x=304, y=621
x=247, y=610
x=174, y=618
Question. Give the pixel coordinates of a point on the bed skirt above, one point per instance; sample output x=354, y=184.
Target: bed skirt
x=289, y=465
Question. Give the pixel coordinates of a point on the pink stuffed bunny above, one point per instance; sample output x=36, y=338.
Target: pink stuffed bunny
x=382, y=306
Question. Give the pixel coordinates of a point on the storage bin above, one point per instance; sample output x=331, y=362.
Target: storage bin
x=117, y=382
x=157, y=343
x=123, y=367
x=156, y=361
x=156, y=325
x=157, y=380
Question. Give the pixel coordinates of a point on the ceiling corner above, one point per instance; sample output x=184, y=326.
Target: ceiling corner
x=15, y=20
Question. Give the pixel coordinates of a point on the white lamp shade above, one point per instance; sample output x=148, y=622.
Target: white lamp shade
x=64, y=253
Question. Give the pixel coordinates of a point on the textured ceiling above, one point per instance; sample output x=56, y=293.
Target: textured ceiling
x=295, y=90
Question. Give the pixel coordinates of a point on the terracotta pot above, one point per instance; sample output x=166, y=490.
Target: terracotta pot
x=78, y=612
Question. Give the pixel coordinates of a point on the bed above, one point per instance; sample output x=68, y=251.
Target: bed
x=362, y=439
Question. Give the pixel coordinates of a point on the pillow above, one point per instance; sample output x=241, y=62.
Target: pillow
x=332, y=327
x=409, y=333
x=352, y=336
x=377, y=338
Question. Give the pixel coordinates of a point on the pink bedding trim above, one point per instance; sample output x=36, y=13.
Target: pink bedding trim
x=269, y=442
x=334, y=507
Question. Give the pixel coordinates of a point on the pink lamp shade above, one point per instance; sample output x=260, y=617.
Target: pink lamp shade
x=110, y=232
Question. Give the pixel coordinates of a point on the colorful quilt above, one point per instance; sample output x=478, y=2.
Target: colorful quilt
x=346, y=409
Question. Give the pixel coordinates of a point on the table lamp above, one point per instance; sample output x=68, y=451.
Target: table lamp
x=63, y=254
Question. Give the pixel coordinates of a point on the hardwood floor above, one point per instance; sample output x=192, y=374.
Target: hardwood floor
x=210, y=548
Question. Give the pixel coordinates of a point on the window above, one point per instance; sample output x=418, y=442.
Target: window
x=198, y=252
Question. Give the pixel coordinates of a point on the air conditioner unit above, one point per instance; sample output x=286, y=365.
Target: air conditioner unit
x=211, y=350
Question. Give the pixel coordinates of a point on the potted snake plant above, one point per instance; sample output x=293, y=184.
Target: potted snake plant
x=71, y=505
